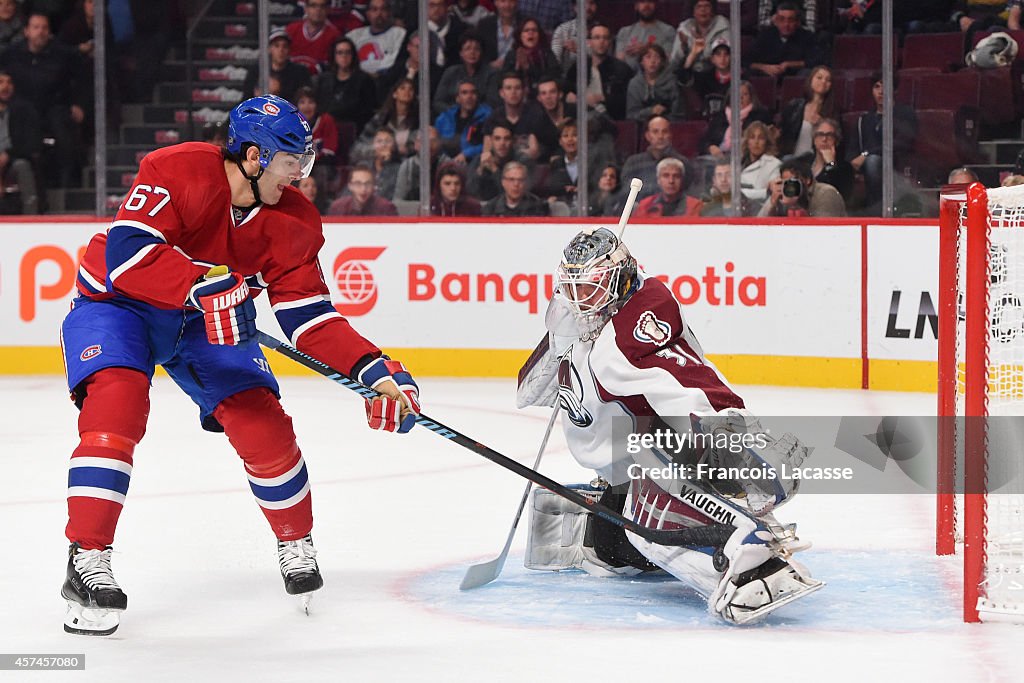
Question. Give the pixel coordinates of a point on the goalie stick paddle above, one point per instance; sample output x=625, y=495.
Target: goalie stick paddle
x=485, y=572
x=711, y=536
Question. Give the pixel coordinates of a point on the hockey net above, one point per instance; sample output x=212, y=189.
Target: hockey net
x=981, y=379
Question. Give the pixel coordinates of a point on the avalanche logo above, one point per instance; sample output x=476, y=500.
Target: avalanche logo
x=570, y=393
x=650, y=330
x=91, y=352
x=357, y=289
x=271, y=109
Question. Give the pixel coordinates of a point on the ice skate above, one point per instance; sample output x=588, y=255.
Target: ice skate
x=299, y=569
x=754, y=594
x=95, y=601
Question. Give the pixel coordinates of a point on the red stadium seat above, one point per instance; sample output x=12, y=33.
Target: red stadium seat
x=909, y=78
x=948, y=91
x=997, y=103
x=766, y=91
x=850, y=127
x=347, y=134
x=947, y=138
x=944, y=51
x=687, y=136
x=857, y=52
x=616, y=14
x=627, y=137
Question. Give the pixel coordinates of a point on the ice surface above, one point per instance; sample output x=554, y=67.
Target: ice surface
x=398, y=521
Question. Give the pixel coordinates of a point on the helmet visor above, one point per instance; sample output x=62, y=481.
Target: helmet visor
x=291, y=165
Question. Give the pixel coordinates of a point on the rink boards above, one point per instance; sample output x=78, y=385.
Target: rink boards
x=830, y=303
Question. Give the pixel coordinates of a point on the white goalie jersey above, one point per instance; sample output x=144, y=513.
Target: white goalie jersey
x=645, y=362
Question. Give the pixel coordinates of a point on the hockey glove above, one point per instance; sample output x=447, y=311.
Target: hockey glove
x=229, y=313
x=396, y=408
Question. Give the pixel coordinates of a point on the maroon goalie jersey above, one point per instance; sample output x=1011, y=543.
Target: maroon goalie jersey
x=177, y=221
x=645, y=362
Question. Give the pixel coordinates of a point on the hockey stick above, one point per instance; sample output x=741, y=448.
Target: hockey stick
x=482, y=574
x=635, y=185
x=713, y=535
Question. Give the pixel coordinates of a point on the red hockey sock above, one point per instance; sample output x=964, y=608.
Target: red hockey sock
x=111, y=423
x=261, y=432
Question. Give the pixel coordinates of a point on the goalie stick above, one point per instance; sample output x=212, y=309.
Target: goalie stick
x=485, y=572
x=713, y=535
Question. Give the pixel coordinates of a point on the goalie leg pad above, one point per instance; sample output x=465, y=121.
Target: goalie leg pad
x=561, y=536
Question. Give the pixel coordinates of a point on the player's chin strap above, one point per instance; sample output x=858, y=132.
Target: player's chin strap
x=252, y=183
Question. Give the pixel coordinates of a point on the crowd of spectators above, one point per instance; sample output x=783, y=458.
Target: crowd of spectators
x=503, y=99
x=502, y=134
x=46, y=85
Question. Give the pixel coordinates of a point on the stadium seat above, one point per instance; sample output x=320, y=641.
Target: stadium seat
x=347, y=134
x=857, y=52
x=687, y=136
x=996, y=90
x=947, y=138
x=626, y=137
x=616, y=14
x=766, y=90
x=948, y=91
x=850, y=127
x=944, y=51
x=909, y=78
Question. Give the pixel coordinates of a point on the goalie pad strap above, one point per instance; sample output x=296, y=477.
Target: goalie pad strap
x=609, y=540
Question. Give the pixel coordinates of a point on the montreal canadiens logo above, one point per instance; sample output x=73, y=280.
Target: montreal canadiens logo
x=271, y=109
x=650, y=330
x=570, y=393
x=356, y=287
x=91, y=352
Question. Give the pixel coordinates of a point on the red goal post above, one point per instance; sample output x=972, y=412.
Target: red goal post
x=981, y=374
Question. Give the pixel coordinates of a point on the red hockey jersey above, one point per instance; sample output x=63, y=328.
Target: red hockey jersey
x=177, y=222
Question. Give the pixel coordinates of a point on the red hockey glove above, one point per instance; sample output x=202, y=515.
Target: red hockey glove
x=398, y=405
x=223, y=297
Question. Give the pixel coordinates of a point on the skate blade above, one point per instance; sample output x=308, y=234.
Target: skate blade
x=307, y=600
x=84, y=621
x=752, y=616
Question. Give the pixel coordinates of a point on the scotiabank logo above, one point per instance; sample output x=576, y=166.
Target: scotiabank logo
x=357, y=290
x=715, y=287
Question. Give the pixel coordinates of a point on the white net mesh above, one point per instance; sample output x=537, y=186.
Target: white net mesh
x=1002, y=584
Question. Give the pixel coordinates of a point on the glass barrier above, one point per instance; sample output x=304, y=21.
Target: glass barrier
x=817, y=136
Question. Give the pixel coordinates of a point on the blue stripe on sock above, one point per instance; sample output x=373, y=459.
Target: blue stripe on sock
x=283, y=491
x=99, y=477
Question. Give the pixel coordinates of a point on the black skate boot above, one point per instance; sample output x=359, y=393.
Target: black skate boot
x=95, y=601
x=299, y=569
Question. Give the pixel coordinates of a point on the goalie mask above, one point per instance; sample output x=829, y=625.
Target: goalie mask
x=596, y=276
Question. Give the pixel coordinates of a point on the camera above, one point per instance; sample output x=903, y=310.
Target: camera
x=792, y=187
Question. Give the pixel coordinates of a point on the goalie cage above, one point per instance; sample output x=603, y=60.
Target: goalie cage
x=981, y=374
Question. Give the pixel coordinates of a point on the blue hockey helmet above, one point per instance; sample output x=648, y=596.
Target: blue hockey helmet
x=274, y=125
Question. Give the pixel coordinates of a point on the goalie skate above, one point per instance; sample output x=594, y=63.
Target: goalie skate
x=95, y=600
x=757, y=593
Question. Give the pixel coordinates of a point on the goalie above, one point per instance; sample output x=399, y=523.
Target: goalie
x=618, y=346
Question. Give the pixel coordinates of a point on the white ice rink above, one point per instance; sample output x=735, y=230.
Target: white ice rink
x=398, y=519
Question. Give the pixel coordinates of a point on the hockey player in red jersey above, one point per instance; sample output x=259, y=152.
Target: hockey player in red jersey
x=619, y=347
x=201, y=233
